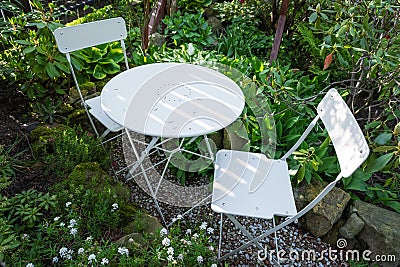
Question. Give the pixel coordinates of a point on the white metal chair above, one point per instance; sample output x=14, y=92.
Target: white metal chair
x=73, y=38
x=250, y=184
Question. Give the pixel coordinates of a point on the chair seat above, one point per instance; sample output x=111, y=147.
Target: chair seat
x=97, y=112
x=250, y=184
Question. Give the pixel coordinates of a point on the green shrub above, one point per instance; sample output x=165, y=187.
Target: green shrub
x=62, y=148
x=185, y=28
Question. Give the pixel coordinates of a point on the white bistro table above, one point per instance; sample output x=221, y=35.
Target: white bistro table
x=171, y=100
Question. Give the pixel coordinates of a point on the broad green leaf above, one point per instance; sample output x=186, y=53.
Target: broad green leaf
x=62, y=67
x=28, y=50
x=383, y=138
x=352, y=32
x=341, y=31
x=384, y=148
x=375, y=165
x=60, y=91
x=24, y=42
x=51, y=70
x=341, y=60
x=300, y=173
x=313, y=17
x=357, y=181
x=98, y=72
x=394, y=205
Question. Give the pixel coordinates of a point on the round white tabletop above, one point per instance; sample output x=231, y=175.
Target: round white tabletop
x=172, y=100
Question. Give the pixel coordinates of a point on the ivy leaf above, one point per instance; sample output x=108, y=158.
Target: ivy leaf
x=328, y=61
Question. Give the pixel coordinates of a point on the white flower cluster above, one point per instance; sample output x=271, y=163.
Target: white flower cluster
x=104, y=261
x=166, y=242
x=66, y=253
x=123, y=250
x=91, y=258
x=114, y=207
x=73, y=230
x=163, y=232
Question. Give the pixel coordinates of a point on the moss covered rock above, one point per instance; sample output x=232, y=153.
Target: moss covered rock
x=43, y=135
x=93, y=177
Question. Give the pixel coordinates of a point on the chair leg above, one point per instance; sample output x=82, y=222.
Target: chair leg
x=276, y=240
x=310, y=205
x=243, y=229
x=220, y=236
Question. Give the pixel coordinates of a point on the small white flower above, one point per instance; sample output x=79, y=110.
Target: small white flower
x=89, y=238
x=188, y=231
x=203, y=226
x=67, y=204
x=166, y=241
x=211, y=248
x=214, y=265
x=123, y=250
x=91, y=258
x=73, y=231
x=81, y=250
x=179, y=217
x=104, y=261
x=72, y=223
x=180, y=257
x=114, y=207
x=210, y=230
x=62, y=224
x=130, y=240
x=63, y=252
x=199, y=259
x=55, y=259
x=25, y=236
x=170, y=257
x=30, y=265
x=189, y=243
x=56, y=218
x=163, y=232
x=195, y=236
x=170, y=251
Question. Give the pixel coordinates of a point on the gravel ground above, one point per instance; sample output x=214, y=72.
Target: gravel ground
x=292, y=240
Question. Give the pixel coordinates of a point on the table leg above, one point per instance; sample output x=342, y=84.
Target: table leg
x=140, y=160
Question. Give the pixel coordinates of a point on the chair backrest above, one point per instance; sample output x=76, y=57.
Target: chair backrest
x=73, y=38
x=89, y=34
x=347, y=138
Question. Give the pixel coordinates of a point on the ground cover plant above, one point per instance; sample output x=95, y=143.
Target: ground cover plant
x=352, y=46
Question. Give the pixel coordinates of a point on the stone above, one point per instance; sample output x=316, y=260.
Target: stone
x=92, y=176
x=133, y=240
x=215, y=24
x=352, y=227
x=381, y=231
x=326, y=213
x=143, y=223
x=232, y=140
x=87, y=88
x=156, y=39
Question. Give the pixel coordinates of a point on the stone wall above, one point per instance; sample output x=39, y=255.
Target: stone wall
x=352, y=226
